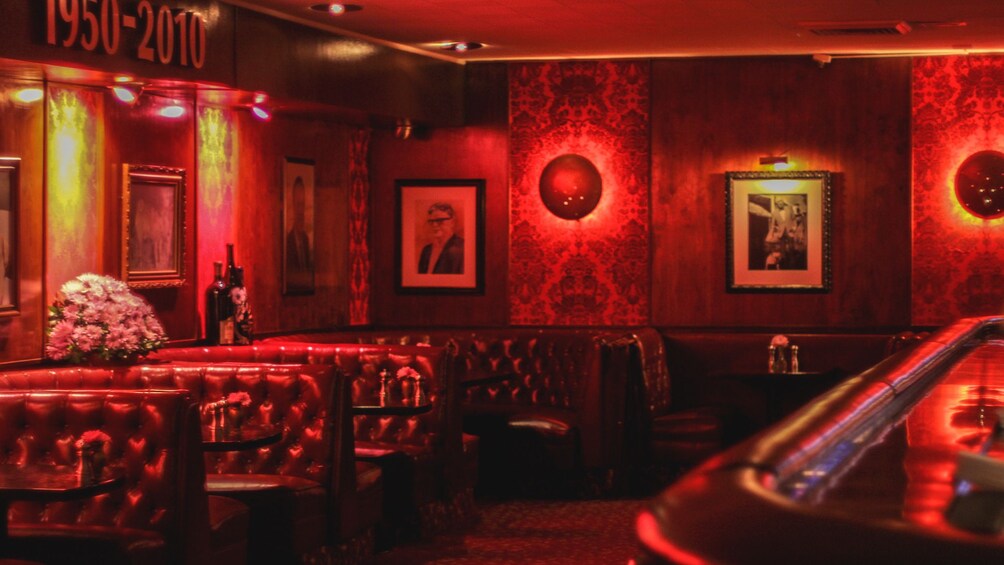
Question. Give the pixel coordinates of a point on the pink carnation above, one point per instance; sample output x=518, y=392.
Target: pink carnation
x=242, y=398
x=92, y=437
x=779, y=341
x=408, y=373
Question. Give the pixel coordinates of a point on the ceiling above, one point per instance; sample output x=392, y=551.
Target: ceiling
x=564, y=29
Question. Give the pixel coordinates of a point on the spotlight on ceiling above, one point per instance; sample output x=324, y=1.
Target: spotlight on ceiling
x=173, y=110
x=336, y=9
x=461, y=46
x=127, y=93
x=29, y=95
x=261, y=112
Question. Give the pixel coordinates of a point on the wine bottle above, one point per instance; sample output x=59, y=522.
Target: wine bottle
x=226, y=303
x=216, y=293
x=242, y=310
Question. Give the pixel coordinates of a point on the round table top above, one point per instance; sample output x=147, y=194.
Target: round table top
x=39, y=482
x=246, y=436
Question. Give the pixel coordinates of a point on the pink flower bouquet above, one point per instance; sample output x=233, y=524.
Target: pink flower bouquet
x=408, y=373
x=98, y=316
x=92, y=437
x=239, y=399
x=779, y=341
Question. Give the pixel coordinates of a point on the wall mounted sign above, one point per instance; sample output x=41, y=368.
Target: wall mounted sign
x=570, y=186
x=144, y=30
x=777, y=229
x=979, y=184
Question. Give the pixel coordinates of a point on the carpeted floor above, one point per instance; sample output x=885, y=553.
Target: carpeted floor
x=533, y=531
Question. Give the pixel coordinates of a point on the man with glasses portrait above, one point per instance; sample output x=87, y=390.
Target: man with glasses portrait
x=445, y=253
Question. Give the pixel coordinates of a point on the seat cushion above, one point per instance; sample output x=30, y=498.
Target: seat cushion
x=411, y=473
x=288, y=514
x=687, y=436
x=58, y=544
x=228, y=530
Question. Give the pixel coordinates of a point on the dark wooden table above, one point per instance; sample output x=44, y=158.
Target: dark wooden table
x=391, y=407
x=217, y=437
x=49, y=483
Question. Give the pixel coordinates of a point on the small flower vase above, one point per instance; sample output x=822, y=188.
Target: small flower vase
x=778, y=363
x=233, y=416
x=419, y=395
x=407, y=388
x=90, y=462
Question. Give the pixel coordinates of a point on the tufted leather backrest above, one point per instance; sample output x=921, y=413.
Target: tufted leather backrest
x=154, y=439
x=298, y=398
x=362, y=364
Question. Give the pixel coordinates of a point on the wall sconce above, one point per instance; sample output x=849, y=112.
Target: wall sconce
x=403, y=129
x=979, y=184
x=776, y=162
x=570, y=186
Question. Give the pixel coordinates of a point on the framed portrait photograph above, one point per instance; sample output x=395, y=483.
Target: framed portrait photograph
x=440, y=236
x=778, y=231
x=298, y=226
x=153, y=226
x=10, y=181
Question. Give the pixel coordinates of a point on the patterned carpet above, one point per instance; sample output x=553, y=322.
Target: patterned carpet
x=533, y=531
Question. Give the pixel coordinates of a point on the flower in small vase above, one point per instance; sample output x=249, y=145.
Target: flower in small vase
x=96, y=316
x=779, y=341
x=92, y=438
x=408, y=373
x=241, y=399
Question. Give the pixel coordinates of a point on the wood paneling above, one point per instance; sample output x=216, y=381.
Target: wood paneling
x=715, y=115
x=21, y=128
x=478, y=151
x=258, y=224
x=137, y=135
x=293, y=61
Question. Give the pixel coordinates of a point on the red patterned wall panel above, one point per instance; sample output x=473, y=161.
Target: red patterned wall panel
x=958, y=259
x=592, y=271
x=359, y=253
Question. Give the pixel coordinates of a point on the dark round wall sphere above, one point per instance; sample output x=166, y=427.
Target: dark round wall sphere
x=570, y=186
x=979, y=184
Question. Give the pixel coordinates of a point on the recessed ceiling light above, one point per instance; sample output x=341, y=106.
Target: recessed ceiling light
x=462, y=46
x=336, y=9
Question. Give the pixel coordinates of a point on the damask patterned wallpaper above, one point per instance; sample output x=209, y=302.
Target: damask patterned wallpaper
x=958, y=259
x=595, y=270
x=359, y=253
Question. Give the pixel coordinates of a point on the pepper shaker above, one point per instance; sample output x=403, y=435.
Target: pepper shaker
x=794, y=359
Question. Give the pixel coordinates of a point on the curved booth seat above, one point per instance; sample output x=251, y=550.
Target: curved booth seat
x=161, y=512
x=303, y=490
x=422, y=456
x=862, y=475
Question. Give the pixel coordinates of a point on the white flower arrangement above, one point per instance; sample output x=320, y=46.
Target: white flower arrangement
x=100, y=317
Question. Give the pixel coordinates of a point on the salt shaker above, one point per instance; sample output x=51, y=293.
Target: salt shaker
x=794, y=359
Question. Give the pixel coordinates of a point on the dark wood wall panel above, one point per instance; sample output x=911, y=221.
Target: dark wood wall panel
x=714, y=115
x=21, y=128
x=138, y=135
x=477, y=151
x=258, y=223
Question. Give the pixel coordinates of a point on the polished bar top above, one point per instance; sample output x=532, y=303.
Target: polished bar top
x=862, y=474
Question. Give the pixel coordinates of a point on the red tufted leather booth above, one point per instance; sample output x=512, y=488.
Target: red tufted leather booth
x=420, y=455
x=290, y=485
x=159, y=516
x=542, y=399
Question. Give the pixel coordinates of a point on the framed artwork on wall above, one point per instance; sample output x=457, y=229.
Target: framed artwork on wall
x=298, y=226
x=777, y=228
x=10, y=182
x=153, y=226
x=440, y=227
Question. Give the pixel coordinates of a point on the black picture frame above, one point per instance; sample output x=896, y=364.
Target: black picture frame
x=299, y=242
x=778, y=231
x=426, y=212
